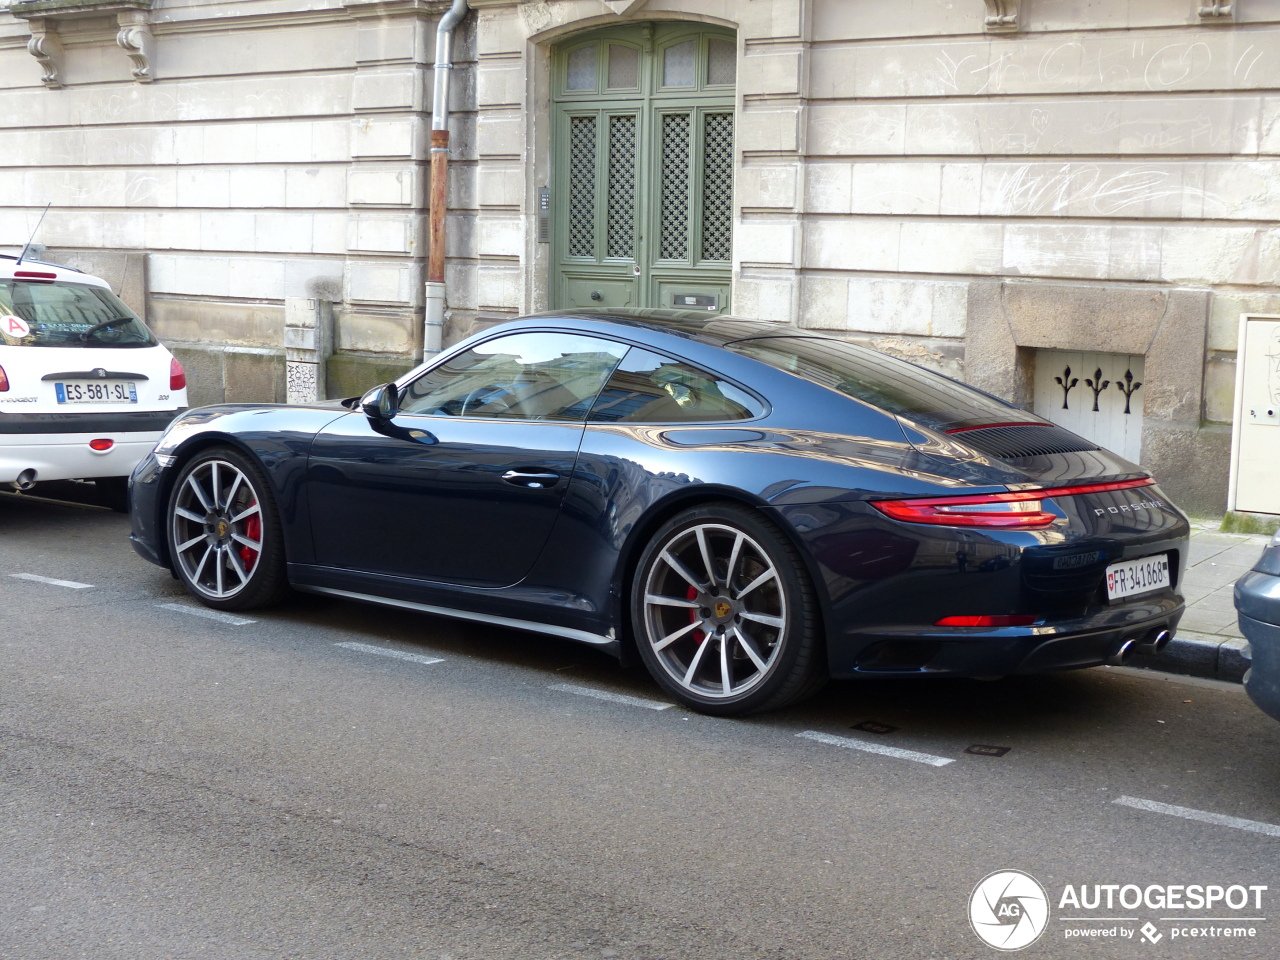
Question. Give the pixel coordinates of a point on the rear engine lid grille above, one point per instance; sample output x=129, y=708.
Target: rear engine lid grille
x=1012, y=441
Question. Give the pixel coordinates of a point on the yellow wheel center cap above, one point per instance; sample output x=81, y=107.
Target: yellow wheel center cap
x=222, y=528
x=722, y=610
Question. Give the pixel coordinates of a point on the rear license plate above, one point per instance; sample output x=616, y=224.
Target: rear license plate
x=1133, y=577
x=96, y=391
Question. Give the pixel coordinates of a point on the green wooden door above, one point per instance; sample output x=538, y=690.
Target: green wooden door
x=642, y=202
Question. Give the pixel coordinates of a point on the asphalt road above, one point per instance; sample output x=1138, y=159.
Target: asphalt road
x=177, y=786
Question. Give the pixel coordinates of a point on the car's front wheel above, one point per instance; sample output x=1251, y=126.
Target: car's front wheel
x=224, y=532
x=724, y=613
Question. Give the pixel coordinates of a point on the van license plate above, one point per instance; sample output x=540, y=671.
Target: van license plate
x=96, y=391
x=1132, y=577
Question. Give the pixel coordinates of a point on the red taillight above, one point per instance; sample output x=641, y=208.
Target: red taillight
x=1020, y=509
x=101, y=444
x=1016, y=620
x=32, y=275
x=177, y=376
x=4, y=381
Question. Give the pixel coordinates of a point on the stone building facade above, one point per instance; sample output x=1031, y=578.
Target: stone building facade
x=999, y=189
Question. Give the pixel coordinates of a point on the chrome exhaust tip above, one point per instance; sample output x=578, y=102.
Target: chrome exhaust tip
x=25, y=481
x=1155, y=641
x=1122, y=653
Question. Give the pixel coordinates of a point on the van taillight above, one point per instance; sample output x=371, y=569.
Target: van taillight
x=4, y=381
x=177, y=376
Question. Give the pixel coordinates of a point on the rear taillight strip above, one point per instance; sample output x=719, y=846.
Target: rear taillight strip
x=952, y=512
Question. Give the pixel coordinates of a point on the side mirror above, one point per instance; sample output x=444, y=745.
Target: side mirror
x=381, y=403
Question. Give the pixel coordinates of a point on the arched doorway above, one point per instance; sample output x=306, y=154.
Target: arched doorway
x=642, y=203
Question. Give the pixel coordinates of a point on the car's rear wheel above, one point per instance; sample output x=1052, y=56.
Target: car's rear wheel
x=724, y=613
x=224, y=532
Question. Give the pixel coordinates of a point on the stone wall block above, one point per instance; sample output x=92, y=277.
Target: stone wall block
x=824, y=302
x=769, y=187
x=399, y=138
x=500, y=83
x=952, y=246
x=765, y=241
x=765, y=298
x=1192, y=464
x=828, y=187
x=1074, y=316
x=774, y=74
x=1175, y=359
x=991, y=351
x=380, y=185
x=850, y=130
x=500, y=135
x=1050, y=250
x=389, y=88
x=902, y=188
x=769, y=130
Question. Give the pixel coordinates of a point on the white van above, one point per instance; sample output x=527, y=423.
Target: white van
x=85, y=388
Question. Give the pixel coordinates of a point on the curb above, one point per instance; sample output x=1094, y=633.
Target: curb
x=1200, y=655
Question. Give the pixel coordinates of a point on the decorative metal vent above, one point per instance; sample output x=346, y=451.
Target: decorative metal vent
x=1029, y=440
x=622, y=186
x=717, y=186
x=582, y=186
x=675, y=187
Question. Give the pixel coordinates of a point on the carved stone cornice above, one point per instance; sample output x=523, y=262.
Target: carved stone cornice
x=1217, y=11
x=43, y=16
x=1002, y=16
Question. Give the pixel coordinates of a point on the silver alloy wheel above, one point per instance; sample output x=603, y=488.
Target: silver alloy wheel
x=217, y=529
x=715, y=611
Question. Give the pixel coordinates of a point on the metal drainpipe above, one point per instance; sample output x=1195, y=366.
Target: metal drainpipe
x=439, y=191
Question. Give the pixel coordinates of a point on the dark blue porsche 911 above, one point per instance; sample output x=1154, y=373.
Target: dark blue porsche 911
x=748, y=508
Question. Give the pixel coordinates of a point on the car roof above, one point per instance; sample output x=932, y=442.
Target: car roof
x=712, y=328
x=11, y=267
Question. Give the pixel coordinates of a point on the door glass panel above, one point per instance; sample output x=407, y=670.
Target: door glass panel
x=717, y=186
x=675, y=187
x=722, y=61
x=582, y=186
x=678, y=64
x=622, y=186
x=648, y=388
x=624, y=67
x=524, y=376
x=582, y=69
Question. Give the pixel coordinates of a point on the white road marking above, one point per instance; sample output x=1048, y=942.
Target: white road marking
x=611, y=697
x=1187, y=813
x=849, y=743
x=394, y=654
x=207, y=614
x=74, y=585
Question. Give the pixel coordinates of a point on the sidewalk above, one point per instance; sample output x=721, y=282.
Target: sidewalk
x=1208, y=642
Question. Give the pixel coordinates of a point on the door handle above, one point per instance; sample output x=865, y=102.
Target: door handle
x=533, y=479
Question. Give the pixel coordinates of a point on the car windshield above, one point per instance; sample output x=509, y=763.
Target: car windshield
x=895, y=386
x=67, y=315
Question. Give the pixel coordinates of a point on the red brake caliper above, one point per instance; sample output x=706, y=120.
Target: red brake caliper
x=253, y=531
x=692, y=594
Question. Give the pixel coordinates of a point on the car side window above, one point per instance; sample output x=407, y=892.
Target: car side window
x=649, y=388
x=522, y=376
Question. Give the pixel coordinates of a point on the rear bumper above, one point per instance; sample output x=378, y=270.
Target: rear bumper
x=68, y=456
x=973, y=651
x=1258, y=592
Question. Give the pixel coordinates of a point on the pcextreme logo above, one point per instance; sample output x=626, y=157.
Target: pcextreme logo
x=1009, y=909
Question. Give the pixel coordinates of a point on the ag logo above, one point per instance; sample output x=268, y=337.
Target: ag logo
x=1008, y=910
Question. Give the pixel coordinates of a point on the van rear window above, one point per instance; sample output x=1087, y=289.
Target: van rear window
x=67, y=315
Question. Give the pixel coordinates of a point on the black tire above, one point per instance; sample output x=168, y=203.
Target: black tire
x=219, y=510
x=113, y=492
x=754, y=612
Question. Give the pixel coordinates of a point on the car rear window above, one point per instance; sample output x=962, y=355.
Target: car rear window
x=895, y=386
x=67, y=315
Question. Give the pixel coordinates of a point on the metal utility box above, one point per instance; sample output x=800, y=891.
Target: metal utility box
x=1255, y=434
